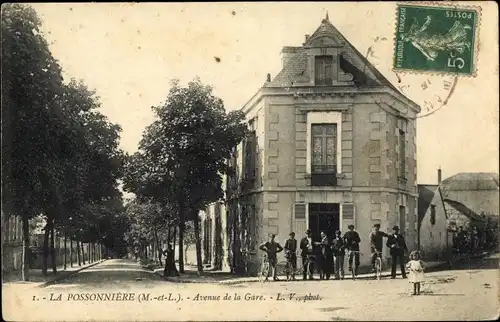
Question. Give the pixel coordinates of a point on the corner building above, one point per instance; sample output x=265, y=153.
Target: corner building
x=333, y=143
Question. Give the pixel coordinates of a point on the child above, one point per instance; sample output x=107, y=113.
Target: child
x=416, y=269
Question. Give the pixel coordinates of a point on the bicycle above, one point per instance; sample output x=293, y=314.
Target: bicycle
x=286, y=268
x=378, y=265
x=354, y=265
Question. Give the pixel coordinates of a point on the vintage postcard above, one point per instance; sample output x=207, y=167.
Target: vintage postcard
x=250, y=161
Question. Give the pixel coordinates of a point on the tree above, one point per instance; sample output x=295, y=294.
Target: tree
x=184, y=153
x=31, y=82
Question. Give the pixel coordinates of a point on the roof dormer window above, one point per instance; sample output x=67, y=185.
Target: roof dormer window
x=323, y=70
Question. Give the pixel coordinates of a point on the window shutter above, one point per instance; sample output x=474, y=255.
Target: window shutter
x=300, y=211
x=348, y=211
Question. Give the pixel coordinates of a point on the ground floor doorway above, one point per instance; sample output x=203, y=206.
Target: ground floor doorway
x=324, y=217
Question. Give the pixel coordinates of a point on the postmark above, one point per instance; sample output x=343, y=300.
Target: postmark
x=431, y=91
x=436, y=38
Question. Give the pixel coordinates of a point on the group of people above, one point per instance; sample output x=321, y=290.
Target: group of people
x=327, y=255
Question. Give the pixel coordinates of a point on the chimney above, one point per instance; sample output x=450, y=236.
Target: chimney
x=286, y=53
x=268, y=78
x=307, y=37
x=439, y=175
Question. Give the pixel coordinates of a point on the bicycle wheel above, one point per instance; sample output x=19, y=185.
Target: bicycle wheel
x=264, y=272
x=283, y=268
x=378, y=268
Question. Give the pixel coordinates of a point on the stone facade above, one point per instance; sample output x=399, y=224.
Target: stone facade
x=374, y=125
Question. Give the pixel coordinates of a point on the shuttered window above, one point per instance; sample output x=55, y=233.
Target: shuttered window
x=323, y=70
x=300, y=211
x=348, y=211
x=402, y=154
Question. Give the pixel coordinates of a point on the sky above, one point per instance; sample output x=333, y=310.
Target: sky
x=129, y=52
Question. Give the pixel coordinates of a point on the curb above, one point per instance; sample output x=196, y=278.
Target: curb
x=63, y=277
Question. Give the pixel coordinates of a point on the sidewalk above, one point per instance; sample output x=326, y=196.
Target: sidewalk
x=38, y=280
x=191, y=274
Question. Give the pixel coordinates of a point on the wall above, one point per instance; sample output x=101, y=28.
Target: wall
x=434, y=240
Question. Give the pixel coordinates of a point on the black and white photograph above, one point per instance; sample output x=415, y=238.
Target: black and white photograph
x=250, y=161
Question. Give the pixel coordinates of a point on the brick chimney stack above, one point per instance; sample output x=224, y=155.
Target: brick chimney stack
x=268, y=79
x=307, y=37
x=439, y=175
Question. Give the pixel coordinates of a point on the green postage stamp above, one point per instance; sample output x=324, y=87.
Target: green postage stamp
x=436, y=38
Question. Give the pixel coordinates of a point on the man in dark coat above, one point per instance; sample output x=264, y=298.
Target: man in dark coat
x=376, y=243
x=272, y=248
x=351, y=242
x=307, y=250
x=325, y=257
x=338, y=249
x=291, y=253
x=397, y=246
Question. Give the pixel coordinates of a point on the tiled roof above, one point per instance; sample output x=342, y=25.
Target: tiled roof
x=464, y=210
x=425, y=195
x=471, y=181
x=353, y=62
x=296, y=66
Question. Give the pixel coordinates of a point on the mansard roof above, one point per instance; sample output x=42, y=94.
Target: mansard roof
x=351, y=60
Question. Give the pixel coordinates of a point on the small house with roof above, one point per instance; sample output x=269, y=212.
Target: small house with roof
x=462, y=200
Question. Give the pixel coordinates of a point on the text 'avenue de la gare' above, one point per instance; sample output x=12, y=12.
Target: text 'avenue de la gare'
x=175, y=297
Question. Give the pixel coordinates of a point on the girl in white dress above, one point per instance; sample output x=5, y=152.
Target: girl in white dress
x=416, y=271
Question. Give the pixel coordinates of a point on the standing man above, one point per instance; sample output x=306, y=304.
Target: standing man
x=338, y=255
x=272, y=248
x=325, y=257
x=307, y=250
x=351, y=242
x=376, y=243
x=397, y=246
x=291, y=253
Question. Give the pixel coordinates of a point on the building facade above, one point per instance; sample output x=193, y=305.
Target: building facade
x=332, y=143
x=12, y=243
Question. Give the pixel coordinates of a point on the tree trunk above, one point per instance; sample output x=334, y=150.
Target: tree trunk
x=181, y=239
x=199, y=263
x=26, y=248
x=53, y=258
x=174, y=238
x=83, y=253
x=45, y=256
x=158, y=246
x=78, y=255
x=65, y=251
x=71, y=252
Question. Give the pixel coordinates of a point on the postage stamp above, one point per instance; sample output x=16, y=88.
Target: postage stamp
x=436, y=38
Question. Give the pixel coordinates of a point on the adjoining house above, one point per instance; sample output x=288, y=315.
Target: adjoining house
x=12, y=243
x=462, y=200
x=332, y=143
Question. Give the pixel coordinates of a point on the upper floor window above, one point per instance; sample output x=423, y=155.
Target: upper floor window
x=402, y=154
x=250, y=155
x=324, y=154
x=323, y=70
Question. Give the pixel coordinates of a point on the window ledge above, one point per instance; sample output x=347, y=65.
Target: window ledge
x=339, y=175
